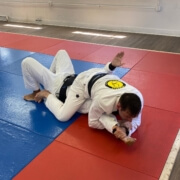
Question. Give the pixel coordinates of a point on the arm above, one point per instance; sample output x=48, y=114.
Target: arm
x=97, y=119
x=119, y=131
x=94, y=114
x=116, y=62
x=64, y=111
x=51, y=102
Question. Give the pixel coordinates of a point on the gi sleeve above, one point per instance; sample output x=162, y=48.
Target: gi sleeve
x=53, y=104
x=107, y=69
x=94, y=114
x=108, y=121
x=99, y=120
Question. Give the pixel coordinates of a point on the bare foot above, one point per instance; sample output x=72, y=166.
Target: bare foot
x=31, y=97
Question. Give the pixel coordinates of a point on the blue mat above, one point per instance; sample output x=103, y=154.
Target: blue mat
x=18, y=148
x=29, y=115
x=9, y=56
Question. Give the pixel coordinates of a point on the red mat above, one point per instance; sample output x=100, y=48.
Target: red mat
x=158, y=62
x=8, y=38
x=146, y=156
x=159, y=90
x=76, y=50
x=35, y=44
x=106, y=53
x=85, y=153
x=60, y=161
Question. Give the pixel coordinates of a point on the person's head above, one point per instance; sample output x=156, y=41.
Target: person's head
x=129, y=106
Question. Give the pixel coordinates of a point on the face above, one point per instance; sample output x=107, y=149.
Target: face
x=125, y=114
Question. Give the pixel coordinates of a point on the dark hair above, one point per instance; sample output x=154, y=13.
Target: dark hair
x=131, y=102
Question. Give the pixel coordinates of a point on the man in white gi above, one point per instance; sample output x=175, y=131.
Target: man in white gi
x=97, y=92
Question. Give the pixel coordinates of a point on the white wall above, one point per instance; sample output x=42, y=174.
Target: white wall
x=141, y=16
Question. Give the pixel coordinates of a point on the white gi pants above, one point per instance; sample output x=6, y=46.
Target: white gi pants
x=35, y=74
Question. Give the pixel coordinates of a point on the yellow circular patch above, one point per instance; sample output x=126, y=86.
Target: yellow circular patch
x=115, y=84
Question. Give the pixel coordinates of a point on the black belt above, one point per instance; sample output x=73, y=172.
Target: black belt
x=93, y=80
x=67, y=82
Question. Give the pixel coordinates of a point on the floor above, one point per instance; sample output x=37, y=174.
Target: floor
x=36, y=146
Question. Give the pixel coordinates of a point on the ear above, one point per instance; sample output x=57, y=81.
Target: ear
x=118, y=105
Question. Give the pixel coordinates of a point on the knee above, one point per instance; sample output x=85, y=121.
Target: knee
x=62, y=52
x=26, y=61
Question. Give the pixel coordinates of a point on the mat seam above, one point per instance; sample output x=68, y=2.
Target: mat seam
x=103, y=158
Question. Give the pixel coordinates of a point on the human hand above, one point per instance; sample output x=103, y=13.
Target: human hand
x=129, y=140
x=117, y=60
x=41, y=95
x=119, y=132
